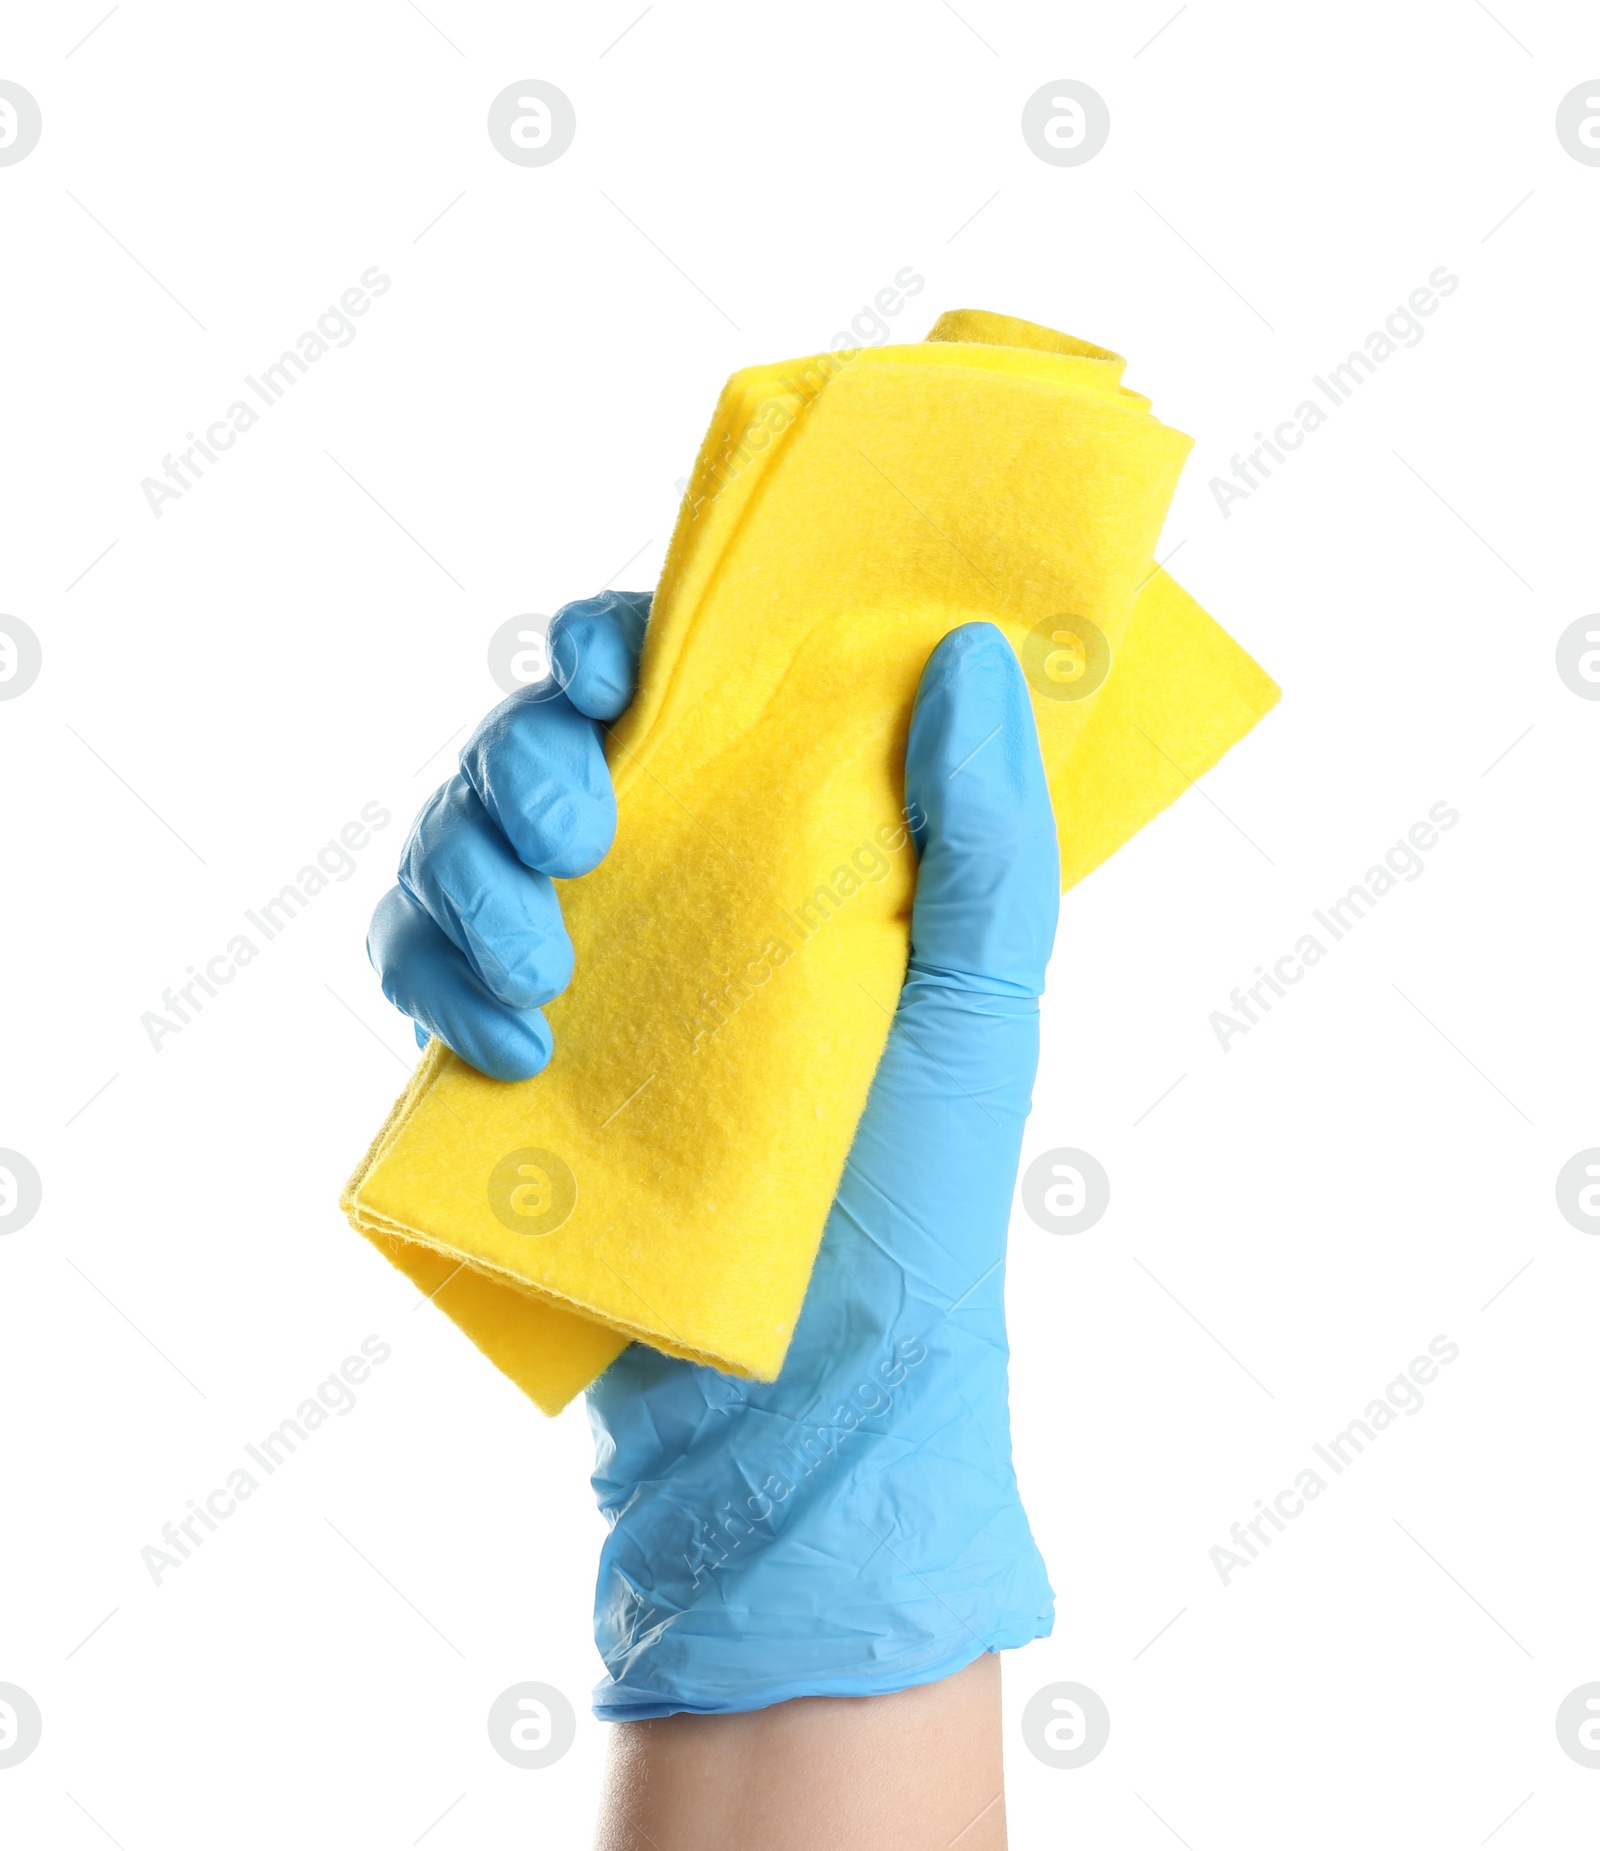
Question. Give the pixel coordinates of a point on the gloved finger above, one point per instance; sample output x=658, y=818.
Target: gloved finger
x=428, y=979
x=504, y=918
x=537, y=762
x=539, y=770
x=594, y=644
x=988, y=885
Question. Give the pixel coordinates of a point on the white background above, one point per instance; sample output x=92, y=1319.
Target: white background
x=1293, y=1222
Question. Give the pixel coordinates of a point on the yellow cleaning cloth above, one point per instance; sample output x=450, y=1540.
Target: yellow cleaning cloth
x=741, y=949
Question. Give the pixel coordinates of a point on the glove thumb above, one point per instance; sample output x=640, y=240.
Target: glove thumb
x=989, y=880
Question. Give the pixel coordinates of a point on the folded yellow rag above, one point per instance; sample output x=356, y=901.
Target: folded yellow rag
x=741, y=949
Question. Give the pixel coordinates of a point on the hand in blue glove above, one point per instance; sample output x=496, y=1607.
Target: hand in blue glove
x=854, y=1527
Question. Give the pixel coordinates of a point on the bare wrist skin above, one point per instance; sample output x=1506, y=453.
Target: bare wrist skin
x=906, y=1771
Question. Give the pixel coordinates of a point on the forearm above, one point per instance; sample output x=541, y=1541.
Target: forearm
x=910, y=1769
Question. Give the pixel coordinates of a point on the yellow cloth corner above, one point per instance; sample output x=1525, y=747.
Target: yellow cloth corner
x=740, y=951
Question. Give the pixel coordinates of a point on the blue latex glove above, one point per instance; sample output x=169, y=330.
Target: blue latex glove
x=855, y=1526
